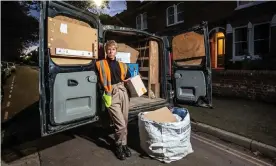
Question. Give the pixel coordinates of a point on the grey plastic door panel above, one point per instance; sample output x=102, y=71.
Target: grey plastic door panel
x=190, y=85
x=68, y=87
x=192, y=67
x=74, y=96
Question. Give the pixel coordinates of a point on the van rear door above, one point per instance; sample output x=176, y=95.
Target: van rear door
x=192, y=67
x=67, y=54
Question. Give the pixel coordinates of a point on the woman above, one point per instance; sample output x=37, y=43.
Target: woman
x=112, y=76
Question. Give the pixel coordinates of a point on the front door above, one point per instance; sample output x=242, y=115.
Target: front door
x=192, y=67
x=220, y=51
x=67, y=54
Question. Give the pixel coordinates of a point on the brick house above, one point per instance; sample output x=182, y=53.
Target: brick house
x=238, y=30
x=242, y=35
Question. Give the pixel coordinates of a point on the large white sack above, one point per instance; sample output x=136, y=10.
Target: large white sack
x=165, y=142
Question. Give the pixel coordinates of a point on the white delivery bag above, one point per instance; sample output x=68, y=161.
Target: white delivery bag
x=168, y=141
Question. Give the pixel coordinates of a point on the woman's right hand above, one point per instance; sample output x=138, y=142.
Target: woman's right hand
x=126, y=80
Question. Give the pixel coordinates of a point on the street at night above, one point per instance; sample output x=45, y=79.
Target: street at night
x=90, y=145
x=144, y=83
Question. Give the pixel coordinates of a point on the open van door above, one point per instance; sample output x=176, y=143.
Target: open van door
x=192, y=67
x=67, y=54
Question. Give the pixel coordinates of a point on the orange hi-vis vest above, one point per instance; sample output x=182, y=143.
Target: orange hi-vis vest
x=105, y=75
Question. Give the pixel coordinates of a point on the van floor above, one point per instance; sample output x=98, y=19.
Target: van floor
x=143, y=101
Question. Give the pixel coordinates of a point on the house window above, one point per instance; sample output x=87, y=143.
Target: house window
x=245, y=4
x=261, y=38
x=141, y=21
x=175, y=14
x=145, y=21
x=241, y=3
x=252, y=41
x=240, y=41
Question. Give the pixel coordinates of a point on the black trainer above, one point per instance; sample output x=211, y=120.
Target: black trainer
x=126, y=151
x=119, y=151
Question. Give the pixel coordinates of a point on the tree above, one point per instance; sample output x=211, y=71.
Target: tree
x=18, y=29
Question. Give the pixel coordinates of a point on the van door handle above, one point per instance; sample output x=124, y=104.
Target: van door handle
x=71, y=82
x=177, y=75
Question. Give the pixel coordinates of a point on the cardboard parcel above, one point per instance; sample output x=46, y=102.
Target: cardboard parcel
x=165, y=134
x=136, y=86
x=126, y=53
x=71, y=41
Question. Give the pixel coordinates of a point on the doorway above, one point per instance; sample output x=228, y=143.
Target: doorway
x=218, y=50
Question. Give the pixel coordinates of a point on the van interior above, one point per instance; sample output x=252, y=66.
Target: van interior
x=78, y=35
x=145, y=52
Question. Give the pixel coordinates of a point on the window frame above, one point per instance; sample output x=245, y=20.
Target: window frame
x=253, y=36
x=142, y=21
x=137, y=21
x=253, y=3
x=175, y=14
x=236, y=57
x=250, y=42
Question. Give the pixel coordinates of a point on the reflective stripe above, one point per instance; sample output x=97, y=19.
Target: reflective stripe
x=125, y=66
x=100, y=71
x=108, y=76
x=103, y=73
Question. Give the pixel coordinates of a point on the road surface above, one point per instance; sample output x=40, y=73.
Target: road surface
x=20, y=92
x=90, y=145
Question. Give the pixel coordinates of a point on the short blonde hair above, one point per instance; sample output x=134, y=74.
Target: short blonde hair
x=111, y=43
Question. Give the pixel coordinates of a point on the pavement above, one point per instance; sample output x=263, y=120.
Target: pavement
x=251, y=119
x=90, y=144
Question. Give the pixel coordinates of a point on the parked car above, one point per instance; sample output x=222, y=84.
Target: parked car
x=12, y=66
x=6, y=69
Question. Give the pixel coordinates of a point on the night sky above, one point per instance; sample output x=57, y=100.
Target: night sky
x=115, y=7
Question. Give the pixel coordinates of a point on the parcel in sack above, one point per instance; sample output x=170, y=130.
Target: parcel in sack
x=165, y=136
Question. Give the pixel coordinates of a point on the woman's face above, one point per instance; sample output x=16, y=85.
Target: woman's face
x=111, y=52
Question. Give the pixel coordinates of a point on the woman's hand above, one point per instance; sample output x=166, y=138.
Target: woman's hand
x=126, y=80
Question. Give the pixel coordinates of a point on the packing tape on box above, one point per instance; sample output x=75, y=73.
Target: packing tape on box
x=144, y=90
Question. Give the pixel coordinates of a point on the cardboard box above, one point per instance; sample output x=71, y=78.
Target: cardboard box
x=123, y=57
x=66, y=33
x=136, y=86
x=127, y=49
x=162, y=115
